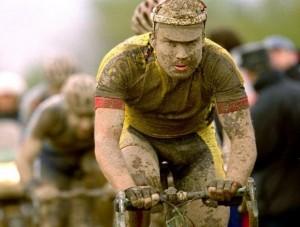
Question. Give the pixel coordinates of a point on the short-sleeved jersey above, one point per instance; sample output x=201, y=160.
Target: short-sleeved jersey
x=31, y=100
x=159, y=105
x=49, y=123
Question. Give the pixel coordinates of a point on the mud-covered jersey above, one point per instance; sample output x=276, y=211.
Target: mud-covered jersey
x=159, y=105
x=49, y=123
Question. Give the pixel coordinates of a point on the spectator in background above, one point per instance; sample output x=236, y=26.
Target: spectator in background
x=283, y=55
x=277, y=129
x=253, y=60
x=12, y=86
x=56, y=71
x=225, y=37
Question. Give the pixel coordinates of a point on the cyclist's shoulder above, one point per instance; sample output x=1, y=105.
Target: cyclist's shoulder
x=214, y=53
x=130, y=51
x=37, y=92
x=52, y=108
x=218, y=64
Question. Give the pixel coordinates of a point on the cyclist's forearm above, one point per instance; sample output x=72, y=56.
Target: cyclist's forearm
x=108, y=153
x=243, y=148
x=25, y=158
x=242, y=159
x=113, y=165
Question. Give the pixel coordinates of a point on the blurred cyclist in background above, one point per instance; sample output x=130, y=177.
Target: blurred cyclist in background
x=56, y=70
x=60, y=134
x=141, y=21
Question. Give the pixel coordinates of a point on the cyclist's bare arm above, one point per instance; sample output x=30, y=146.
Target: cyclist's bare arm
x=238, y=126
x=108, y=128
x=40, y=124
x=26, y=156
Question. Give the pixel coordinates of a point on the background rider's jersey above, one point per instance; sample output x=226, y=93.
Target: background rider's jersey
x=161, y=106
x=49, y=123
x=62, y=149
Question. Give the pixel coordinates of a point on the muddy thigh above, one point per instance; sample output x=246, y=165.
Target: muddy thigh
x=195, y=178
x=195, y=160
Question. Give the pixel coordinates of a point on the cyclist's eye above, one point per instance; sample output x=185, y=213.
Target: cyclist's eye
x=192, y=43
x=172, y=44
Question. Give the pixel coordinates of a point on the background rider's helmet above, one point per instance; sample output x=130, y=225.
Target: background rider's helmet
x=57, y=69
x=141, y=21
x=78, y=92
x=180, y=12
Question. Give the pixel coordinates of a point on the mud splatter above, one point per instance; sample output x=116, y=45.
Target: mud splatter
x=137, y=162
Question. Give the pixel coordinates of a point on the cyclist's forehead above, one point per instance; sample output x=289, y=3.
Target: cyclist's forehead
x=179, y=33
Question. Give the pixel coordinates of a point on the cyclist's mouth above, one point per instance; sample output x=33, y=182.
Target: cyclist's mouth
x=181, y=67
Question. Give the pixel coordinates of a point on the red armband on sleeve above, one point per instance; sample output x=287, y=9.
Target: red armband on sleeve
x=227, y=107
x=112, y=103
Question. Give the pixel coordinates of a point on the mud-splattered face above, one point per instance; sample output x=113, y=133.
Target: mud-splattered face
x=178, y=48
x=82, y=124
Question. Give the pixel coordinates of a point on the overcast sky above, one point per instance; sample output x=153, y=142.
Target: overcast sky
x=33, y=28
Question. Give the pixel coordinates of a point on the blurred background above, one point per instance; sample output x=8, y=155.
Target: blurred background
x=87, y=29
x=33, y=30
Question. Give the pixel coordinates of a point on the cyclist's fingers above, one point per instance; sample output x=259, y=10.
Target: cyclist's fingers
x=211, y=190
x=130, y=195
x=214, y=194
x=234, y=187
x=220, y=187
x=220, y=190
x=147, y=197
x=227, y=190
x=139, y=202
x=135, y=197
x=216, y=190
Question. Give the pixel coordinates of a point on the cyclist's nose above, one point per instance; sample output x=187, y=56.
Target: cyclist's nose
x=181, y=52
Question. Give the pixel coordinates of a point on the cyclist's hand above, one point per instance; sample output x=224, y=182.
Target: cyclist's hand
x=45, y=192
x=141, y=196
x=30, y=186
x=222, y=190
